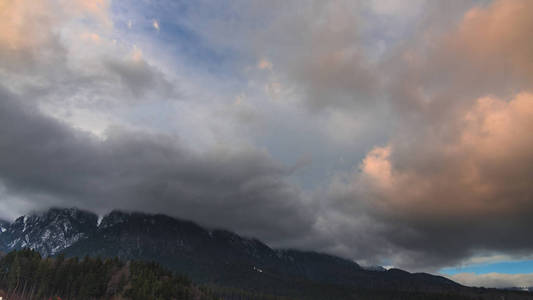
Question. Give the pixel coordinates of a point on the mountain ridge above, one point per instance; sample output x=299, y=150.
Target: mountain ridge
x=208, y=256
x=99, y=223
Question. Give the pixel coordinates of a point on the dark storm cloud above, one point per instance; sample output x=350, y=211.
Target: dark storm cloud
x=46, y=160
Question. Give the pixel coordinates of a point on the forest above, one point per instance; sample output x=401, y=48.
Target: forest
x=26, y=275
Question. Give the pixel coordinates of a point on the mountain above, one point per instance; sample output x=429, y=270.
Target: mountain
x=225, y=258
x=217, y=256
x=3, y=226
x=48, y=232
x=214, y=257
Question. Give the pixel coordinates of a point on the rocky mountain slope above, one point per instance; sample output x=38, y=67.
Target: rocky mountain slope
x=49, y=232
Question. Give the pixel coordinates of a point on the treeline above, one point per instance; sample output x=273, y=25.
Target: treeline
x=24, y=274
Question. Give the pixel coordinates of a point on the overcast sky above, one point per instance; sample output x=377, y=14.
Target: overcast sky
x=390, y=132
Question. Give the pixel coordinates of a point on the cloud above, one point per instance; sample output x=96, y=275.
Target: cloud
x=457, y=165
x=413, y=122
x=69, y=134
x=396, y=7
x=140, y=78
x=48, y=162
x=319, y=51
x=25, y=24
x=64, y=57
x=495, y=280
x=494, y=38
x=484, y=52
x=324, y=59
x=486, y=158
x=451, y=186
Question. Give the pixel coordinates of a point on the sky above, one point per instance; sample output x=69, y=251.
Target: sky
x=389, y=132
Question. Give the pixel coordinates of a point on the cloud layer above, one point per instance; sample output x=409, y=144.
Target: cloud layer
x=453, y=180
x=389, y=134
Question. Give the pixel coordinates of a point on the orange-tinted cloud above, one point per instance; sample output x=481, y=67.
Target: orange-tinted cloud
x=484, y=170
x=20, y=22
x=454, y=178
x=498, y=36
x=26, y=24
x=458, y=150
x=98, y=9
x=488, y=52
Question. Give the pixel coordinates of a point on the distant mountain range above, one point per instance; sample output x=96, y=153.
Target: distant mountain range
x=216, y=257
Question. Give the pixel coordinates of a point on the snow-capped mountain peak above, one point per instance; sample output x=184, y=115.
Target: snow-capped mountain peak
x=48, y=232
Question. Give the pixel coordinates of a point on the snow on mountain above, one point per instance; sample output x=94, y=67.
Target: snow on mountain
x=3, y=226
x=48, y=232
x=374, y=268
x=112, y=219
